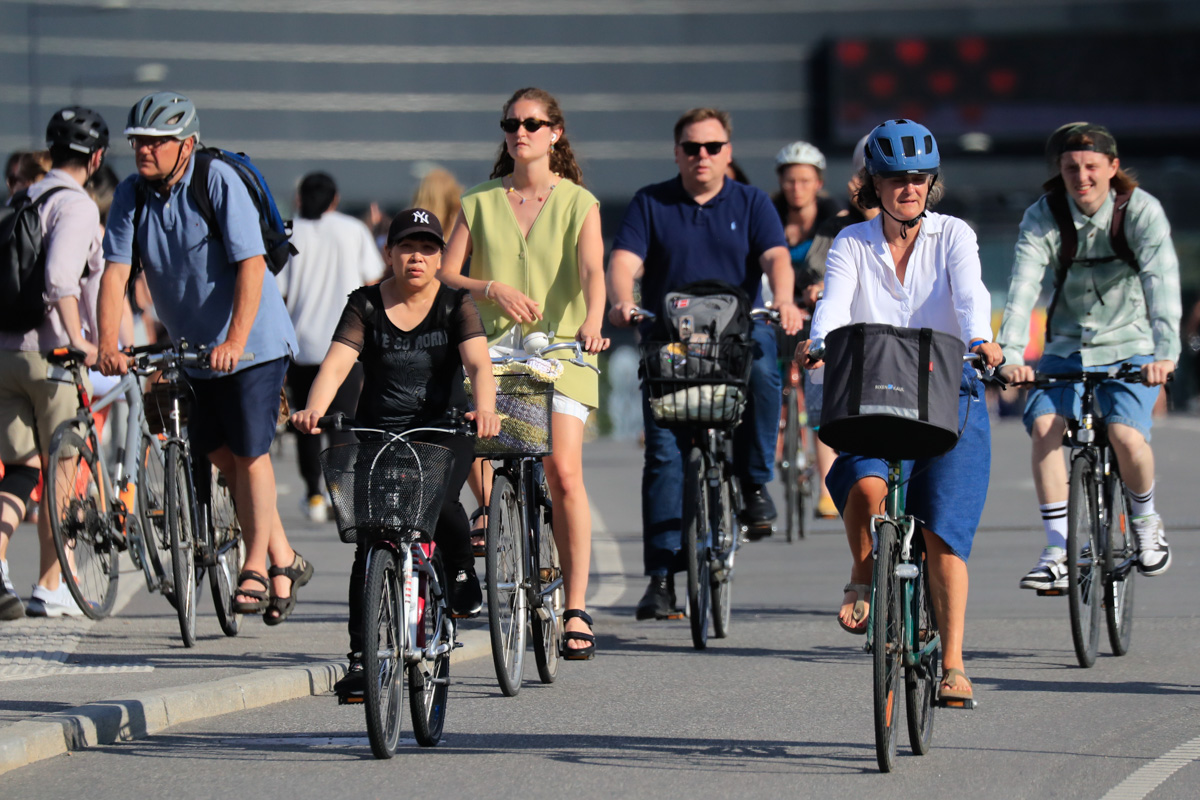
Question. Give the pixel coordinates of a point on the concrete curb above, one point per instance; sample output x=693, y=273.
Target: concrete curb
x=140, y=716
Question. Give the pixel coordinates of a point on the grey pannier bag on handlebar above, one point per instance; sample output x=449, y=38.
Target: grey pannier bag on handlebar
x=891, y=392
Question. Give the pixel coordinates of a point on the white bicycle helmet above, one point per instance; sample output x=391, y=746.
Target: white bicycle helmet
x=800, y=153
x=167, y=114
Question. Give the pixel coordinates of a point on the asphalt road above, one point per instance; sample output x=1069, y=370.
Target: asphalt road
x=781, y=707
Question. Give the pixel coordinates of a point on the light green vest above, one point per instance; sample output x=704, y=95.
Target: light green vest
x=545, y=267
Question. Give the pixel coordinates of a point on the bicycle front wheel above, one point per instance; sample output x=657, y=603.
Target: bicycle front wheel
x=182, y=528
x=1119, y=572
x=507, y=605
x=547, y=628
x=920, y=681
x=383, y=651
x=429, y=678
x=696, y=537
x=725, y=532
x=1084, y=567
x=81, y=522
x=887, y=630
x=150, y=510
x=789, y=466
x=230, y=552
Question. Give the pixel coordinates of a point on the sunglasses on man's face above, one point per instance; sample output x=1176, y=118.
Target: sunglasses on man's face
x=692, y=149
x=532, y=125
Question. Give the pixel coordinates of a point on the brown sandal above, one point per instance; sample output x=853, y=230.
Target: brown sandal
x=299, y=573
x=260, y=597
x=859, y=613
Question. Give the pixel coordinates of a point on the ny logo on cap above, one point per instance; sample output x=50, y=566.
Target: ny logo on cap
x=421, y=217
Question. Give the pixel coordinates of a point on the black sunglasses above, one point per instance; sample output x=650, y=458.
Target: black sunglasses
x=693, y=148
x=532, y=125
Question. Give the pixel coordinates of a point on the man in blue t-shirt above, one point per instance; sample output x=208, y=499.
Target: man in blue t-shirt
x=699, y=226
x=211, y=288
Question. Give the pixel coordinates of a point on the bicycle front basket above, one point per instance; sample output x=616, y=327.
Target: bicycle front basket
x=386, y=488
x=524, y=404
x=697, y=384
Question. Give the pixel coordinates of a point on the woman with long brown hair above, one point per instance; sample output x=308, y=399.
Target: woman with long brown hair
x=532, y=233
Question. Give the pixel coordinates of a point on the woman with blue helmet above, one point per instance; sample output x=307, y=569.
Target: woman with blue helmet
x=913, y=268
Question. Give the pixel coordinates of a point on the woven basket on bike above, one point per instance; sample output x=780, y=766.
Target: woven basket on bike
x=388, y=487
x=157, y=400
x=524, y=403
x=891, y=392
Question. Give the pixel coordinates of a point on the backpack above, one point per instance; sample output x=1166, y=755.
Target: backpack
x=276, y=231
x=1061, y=209
x=22, y=263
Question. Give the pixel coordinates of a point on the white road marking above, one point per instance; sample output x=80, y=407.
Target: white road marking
x=607, y=577
x=1150, y=776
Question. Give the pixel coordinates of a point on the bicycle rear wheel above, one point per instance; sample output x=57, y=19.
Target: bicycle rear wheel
x=696, y=536
x=507, y=606
x=789, y=466
x=1085, y=580
x=81, y=522
x=182, y=528
x=725, y=531
x=429, y=679
x=920, y=681
x=230, y=553
x=547, y=628
x=383, y=651
x=1119, y=571
x=887, y=630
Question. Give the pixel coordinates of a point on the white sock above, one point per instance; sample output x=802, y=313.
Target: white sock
x=1054, y=520
x=1142, y=505
x=4, y=576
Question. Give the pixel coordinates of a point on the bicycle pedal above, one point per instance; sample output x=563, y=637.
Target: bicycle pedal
x=352, y=700
x=1051, y=592
x=675, y=614
x=959, y=705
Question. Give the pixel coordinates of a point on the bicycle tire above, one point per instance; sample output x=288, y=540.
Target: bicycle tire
x=726, y=532
x=921, y=681
x=81, y=522
x=808, y=481
x=383, y=651
x=182, y=527
x=1084, y=566
x=1121, y=548
x=149, y=508
x=225, y=539
x=790, y=467
x=887, y=636
x=547, y=630
x=507, y=603
x=429, y=680
x=696, y=535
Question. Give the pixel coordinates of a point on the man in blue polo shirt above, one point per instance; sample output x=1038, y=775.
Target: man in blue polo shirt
x=693, y=227
x=211, y=288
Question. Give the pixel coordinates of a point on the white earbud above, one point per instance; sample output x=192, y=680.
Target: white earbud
x=554, y=137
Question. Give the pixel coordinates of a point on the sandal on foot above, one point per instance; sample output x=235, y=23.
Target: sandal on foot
x=859, y=613
x=949, y=678
x=260, y=597
x=479, y=548
x=299, y=573
x=578, y=653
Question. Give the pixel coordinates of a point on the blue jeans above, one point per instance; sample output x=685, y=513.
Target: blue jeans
x=753, y=457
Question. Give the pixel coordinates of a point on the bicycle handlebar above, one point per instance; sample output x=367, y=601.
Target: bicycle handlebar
x=577, y=359
x=1128, y=373
x=340, y=422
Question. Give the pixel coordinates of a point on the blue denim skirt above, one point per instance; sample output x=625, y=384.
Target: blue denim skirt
x=946, y=494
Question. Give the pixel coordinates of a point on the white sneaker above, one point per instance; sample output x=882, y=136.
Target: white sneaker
x=317, y=508
x=1050, y=572
x=1154, y=553
x=58, y=603
x=5, y=579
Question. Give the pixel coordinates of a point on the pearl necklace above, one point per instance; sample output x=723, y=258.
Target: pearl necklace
x=513, y=190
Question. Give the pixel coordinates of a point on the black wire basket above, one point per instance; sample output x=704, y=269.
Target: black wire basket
x=390, y=488
x=697, y=384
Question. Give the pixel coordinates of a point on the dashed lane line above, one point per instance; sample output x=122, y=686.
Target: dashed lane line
x=1150, y=776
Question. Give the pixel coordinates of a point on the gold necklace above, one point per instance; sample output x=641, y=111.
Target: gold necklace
x=513, y=190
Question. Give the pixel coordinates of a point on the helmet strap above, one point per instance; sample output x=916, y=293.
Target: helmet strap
x=163, y=183
x=906, y=224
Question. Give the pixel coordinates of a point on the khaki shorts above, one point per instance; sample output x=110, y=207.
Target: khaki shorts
x=31, y=405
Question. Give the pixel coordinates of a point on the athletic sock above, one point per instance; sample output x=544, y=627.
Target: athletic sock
x=1054, y=520
x=1142, y=505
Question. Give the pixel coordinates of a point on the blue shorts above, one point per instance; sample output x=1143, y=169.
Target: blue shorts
x=239, y=410
x=946, y=494
x=1116, y=401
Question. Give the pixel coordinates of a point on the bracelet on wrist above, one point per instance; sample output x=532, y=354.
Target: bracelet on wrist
x=487, y=290
x=975, y=343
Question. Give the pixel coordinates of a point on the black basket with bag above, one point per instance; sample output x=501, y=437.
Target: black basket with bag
x=891, y=392
x=388, y=487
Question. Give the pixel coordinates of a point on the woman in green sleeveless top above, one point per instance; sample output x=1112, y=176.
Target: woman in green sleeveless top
x=537, y=273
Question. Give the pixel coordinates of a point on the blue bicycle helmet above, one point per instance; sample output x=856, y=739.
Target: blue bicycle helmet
x=902, y=147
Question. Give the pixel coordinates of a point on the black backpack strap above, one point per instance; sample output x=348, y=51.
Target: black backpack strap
x=1116, y=231
x=857, y=356
x=201, y=161
x=1061, y=209
x=924, y=346
x=141, y=193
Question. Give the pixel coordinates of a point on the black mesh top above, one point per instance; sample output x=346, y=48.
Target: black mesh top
x=411, y=377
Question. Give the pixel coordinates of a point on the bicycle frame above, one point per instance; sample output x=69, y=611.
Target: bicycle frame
x=523, y=474
x=416, y=559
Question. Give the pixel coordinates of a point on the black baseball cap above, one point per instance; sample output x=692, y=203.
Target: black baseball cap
x=415, y=222
x=1087, y=136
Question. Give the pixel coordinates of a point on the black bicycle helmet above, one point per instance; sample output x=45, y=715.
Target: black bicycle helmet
x=80, y=129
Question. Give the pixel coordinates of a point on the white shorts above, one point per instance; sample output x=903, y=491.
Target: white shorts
x=510, y=345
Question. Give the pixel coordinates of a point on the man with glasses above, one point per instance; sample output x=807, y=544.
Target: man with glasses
x=699, y=226
x=212, y=288
x=31, y=405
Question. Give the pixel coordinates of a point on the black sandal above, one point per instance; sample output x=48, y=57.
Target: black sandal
x=479, y=550
x=260, y=598
x=578, y=653
x=299, y=573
